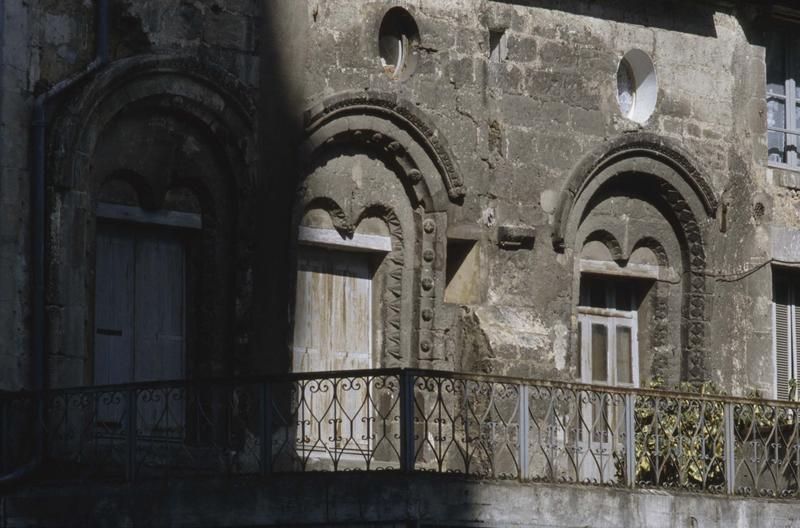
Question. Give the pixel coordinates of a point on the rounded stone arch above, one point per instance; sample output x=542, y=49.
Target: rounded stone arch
x=337, y=215
x=405, y=175
x=609, y=240
x=208, y=146
x=654, y=245
x=654, y=153
x=202, y=92
x=668, y=180
x=392, y=128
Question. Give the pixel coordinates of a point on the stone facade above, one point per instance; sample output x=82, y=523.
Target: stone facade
x=504, y=140
x=534, y=137
x=474, y=145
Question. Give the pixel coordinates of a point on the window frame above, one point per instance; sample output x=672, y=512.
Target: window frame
x=597, y=437
x=611, y=318
x=791, y=130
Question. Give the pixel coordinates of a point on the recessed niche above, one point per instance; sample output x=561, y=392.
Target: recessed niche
x=637, y=86
x=398, y=42
x=462, y=275
x=498, y=45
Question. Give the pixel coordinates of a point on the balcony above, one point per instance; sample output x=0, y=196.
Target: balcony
x=406, y=421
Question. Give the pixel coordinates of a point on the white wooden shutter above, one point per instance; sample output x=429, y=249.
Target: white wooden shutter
x=311, y=315
x=159, y=327
x=159, y=308
x=794, y=316
x=332, y=323
x=333, y=308
x=783, y=340
x=114, y=285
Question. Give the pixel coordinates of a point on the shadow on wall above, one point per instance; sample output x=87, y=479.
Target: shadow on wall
x=281, y=101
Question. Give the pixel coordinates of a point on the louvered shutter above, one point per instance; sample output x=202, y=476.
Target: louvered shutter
x=793, y=359
x=783, y=339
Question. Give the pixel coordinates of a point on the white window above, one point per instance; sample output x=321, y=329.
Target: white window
x=609, y=355
x=785, y=339
x=783, y=98
x=398, y=39
x=608, y=341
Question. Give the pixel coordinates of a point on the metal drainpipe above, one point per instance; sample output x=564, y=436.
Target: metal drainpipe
x=38, y=234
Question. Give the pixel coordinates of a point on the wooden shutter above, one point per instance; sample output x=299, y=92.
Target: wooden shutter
x=783, y=339
x=139, y=319
x=114, y=286
x=311, y=313
x=794, y=356
x=159, y=326
x=333, y=308
x=159, y=307
x=332, y=331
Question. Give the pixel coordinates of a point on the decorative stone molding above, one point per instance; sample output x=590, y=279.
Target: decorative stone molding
x=405, y=140
x=197, y=96
x=392, y=295
x=429, y=289
x=401, y=114
x=680, y=187
x=609, y=240
x=637, y=145
x=216, y=98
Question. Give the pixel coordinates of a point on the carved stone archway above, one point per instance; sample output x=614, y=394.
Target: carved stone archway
x=400, y=137
x=679, y=189
x=215, y=158
x=382, y=121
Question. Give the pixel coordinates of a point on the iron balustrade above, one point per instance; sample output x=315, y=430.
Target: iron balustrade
x=412, y=420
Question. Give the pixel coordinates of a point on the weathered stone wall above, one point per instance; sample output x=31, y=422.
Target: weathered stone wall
x=47, y=43
x=16, y=84
x=516, y=129
x=226, y=32
x=387, y=499
x=520, y=127
x=460, y=150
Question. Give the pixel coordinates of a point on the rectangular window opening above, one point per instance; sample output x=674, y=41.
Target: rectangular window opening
x=608, y=351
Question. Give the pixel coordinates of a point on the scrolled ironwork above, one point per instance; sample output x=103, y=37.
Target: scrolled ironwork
x=473, y=425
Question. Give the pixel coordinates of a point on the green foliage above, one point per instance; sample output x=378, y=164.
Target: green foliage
x=680, y=441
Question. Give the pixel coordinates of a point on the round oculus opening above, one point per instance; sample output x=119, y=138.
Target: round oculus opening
x=637, y=86
x=398, y=40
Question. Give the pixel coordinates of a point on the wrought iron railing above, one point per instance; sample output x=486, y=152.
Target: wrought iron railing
x=412, y=420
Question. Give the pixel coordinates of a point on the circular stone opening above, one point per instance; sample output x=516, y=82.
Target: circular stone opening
x=398, y=41
x=637, y=87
